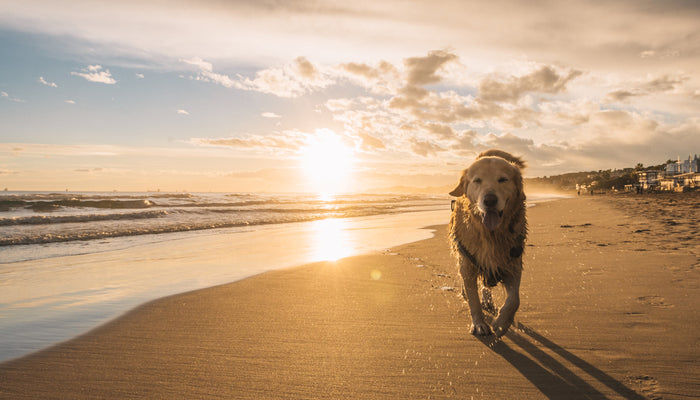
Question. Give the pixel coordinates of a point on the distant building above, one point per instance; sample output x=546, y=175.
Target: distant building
x=680, y=182
x=669, y=183
x=648, y=179
x=683, y=167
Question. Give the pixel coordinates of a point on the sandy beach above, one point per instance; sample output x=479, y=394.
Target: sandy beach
x=610, y=298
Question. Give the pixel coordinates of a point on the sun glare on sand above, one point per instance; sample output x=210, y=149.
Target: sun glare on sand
x=331, y=241
x=327, y=163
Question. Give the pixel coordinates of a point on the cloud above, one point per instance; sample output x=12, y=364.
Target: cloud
x=443, y=124
x=89, y=170
x=369, y=142
x=183, y=112
x=270, y=115
x=425, y=148
x=439, y=123
x=369, y=72
x=650, y=86
x=5, y=95
x=509, y=141
x=424, y=119
x=285, y=142
x=434, y=108
x=305, y=68
x=290, y=143
x=44, y=82
x=423, y=70
x=44, y=150
x=391, y=97
x=220, y=79
x=446, y=107
x=291, y=80
x=380, y=79
x=464, y=143
x=441, y=131
x=663, y=83
x=544, y=80
x=630, y=127
x=94, y=73
x=620, y=96
x=198, y=62
x=660, y=55
x=579, y=32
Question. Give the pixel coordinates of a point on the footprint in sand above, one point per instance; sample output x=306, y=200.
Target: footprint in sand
x=646, y=385
x=655, y=301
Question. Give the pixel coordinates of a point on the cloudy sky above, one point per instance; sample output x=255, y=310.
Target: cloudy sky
x=301, y=95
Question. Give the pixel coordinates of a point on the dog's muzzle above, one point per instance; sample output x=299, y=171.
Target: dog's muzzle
x=492, y=217
x=490, y=201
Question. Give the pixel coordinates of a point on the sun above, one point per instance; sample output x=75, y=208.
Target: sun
x=327, y=163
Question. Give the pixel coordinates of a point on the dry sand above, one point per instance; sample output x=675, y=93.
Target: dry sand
x=610, y=300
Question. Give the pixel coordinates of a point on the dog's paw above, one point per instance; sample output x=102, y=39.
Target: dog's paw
x=480, y=329
x=501, y=326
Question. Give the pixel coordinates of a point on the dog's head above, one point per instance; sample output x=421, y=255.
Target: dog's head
x=492, y=183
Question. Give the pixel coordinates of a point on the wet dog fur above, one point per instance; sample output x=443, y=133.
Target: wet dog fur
x=487, y=232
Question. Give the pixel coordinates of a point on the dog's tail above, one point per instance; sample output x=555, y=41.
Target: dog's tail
x=517, y=161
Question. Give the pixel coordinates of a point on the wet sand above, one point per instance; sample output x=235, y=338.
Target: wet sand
x=609, y=309
x=50, y=300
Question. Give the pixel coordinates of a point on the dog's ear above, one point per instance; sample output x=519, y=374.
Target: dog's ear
x=461, y=188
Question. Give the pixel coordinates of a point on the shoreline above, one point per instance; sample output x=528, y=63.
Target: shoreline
x=48, y=301
x=392, y=325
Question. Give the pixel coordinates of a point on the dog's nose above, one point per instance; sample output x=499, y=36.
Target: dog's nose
x=490, y=200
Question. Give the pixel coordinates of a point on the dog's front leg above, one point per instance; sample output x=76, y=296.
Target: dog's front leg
x=507, y=313
x=471, y=294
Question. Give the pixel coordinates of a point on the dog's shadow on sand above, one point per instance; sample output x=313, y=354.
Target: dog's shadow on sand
x=550, y=376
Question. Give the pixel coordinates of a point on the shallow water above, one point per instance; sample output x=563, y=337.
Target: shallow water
x=46, y=301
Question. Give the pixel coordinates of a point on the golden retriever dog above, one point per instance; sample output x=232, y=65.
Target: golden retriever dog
x=487, y=232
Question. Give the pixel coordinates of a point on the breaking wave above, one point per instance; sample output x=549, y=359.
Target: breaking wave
x=41, y=218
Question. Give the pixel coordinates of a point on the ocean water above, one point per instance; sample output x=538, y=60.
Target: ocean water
x=35, y=225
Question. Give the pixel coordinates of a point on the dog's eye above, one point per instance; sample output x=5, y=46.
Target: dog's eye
x=501, y=180
x=477, y=180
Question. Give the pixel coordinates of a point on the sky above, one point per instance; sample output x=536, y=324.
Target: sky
x=328, y=96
